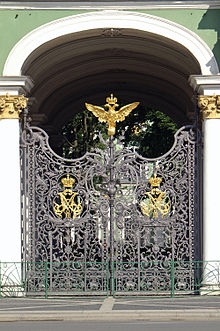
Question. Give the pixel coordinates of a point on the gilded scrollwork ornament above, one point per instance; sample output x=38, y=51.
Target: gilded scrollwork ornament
x=70, y=203
x=11, y=106
x=156, y=202
x=209, y=106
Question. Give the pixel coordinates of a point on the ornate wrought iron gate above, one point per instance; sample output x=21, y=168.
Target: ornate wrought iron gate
x=110, y=219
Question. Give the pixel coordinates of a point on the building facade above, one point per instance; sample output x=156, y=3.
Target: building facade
x=61, y=54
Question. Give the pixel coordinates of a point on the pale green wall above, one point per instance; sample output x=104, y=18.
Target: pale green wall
x=14, y=24
x=205, y=23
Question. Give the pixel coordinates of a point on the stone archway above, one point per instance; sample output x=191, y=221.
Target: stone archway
x=110, y=20
x=136, y=56
x=139, y=56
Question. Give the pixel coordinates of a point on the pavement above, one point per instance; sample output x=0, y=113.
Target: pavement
x=110, y=309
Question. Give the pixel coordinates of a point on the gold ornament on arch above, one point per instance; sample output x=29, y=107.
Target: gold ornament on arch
x=111, y=116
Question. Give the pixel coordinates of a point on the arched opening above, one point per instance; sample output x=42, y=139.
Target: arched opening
x=149, y=131
x=84, y=58
x=139, y=210
x=87, y=67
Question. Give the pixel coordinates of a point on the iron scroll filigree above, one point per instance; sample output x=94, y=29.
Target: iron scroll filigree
x=78, y=249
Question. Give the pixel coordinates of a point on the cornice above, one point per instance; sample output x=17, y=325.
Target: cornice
x=197, y=80
x=97, y=5
x=20, y=84
x=205, y=84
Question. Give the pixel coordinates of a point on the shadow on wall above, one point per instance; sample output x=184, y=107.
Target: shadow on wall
x=211, y=21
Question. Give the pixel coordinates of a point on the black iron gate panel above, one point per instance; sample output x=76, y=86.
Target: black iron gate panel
x=156, y=218
x=65, y=217
x=110, y=220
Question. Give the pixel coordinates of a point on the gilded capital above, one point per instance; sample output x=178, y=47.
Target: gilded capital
x=209, y=106
x=12, y=105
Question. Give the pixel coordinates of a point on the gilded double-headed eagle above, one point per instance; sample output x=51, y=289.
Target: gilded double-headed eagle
x=111, y=116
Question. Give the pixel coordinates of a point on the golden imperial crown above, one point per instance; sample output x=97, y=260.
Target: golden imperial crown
x=68, y=181
x=155, y=181
x=111, y=101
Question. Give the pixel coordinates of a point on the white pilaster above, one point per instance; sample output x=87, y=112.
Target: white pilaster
x=10, y=213
x=211, y=184
x=211, y=203
x=210, y=86
x=10, y=234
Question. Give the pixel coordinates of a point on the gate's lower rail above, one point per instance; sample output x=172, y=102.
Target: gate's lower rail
x=54, y=278
x=167, y=278
x=170, y=278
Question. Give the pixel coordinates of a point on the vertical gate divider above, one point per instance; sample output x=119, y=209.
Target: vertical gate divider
x=113, y=274
x=111, y=205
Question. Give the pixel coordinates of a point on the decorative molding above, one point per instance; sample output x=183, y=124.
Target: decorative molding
x=205, y=84
x=15, y=85
x=110, y=19
x=198, y=80
x=98, y=5
x=112, y=32
x=210, y=106
x=11, y=106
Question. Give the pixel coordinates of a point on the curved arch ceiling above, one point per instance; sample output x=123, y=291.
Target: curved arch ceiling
x=88, y=66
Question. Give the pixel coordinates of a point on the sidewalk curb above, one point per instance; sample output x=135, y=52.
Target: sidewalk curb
x=123, y=315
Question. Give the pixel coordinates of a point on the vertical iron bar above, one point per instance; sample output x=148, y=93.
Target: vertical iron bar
x=197, y=277
x=51, y=259
x=22, y=273
x=46, y=276
x=113, y=275
x=139, y=262
x=85, y=264
x=172, y=271
x=107, y=267
x=111, y=205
